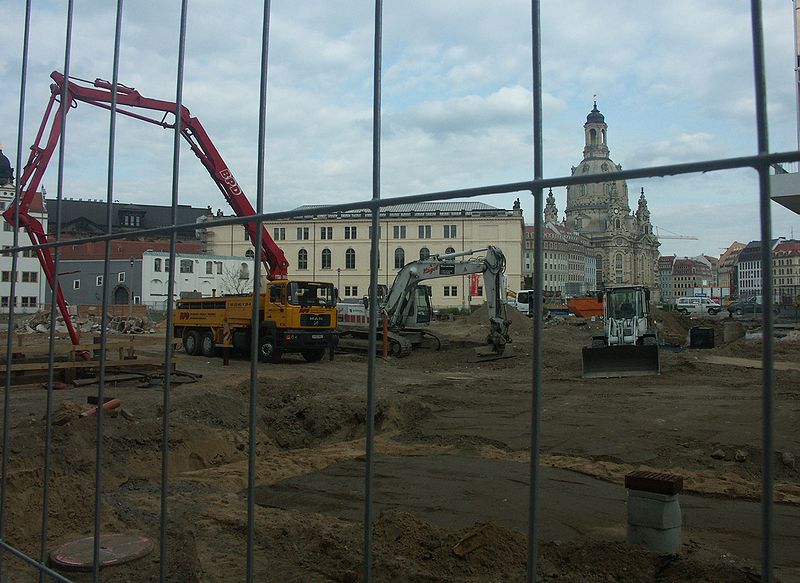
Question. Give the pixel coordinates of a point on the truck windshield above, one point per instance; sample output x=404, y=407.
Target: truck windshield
x=310, y=293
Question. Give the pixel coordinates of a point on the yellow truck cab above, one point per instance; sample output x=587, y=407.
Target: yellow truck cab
x=294, y=316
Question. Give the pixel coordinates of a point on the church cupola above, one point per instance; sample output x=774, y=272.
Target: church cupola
x=595, y=130
x=550, y=210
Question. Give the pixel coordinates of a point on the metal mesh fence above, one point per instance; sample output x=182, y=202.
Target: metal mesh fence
x=759, y=162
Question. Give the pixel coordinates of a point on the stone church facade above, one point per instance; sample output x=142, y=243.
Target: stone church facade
x=623, y=243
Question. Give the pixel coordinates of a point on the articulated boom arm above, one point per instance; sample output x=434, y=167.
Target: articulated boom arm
x=128, y=99
x=492, y=266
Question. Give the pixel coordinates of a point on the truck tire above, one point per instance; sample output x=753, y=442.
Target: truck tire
x=207, y=345
x=313, y=354
x=268, y=350
x=192, y=342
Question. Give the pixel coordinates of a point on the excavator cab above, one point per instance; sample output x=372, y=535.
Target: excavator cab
x=418, y=311
x=628, y=346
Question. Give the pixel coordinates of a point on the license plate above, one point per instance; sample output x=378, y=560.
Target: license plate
x=317, y=336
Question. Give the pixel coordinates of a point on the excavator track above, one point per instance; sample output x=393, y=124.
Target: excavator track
x=399, y=347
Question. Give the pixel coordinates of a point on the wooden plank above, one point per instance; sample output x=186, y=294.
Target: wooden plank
x=67, y=348
x=746, y=362
x=86, y=364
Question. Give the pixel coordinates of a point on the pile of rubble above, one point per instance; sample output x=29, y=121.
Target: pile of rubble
x=40, y=323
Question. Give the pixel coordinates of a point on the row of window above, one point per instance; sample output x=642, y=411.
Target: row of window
x=76, y=283
x=26, y=253
x=351, y=233
x=326, y=259
x=25, y=302
x=27, y=276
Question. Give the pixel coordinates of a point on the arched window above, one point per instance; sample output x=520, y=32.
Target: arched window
x=350, y=259
x=250, y=254
x=618, y=267
x=593, y=136
x=449, y=250
x=618, y=224
x=157, y=264
x=326, y=259
x=399, y=258
x=302, y=259
x=603, y=135
x=424, y=253
x=244, y=272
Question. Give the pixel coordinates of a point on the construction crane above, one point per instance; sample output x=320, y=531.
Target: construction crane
x=658, y=234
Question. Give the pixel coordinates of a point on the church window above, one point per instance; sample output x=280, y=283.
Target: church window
x=618, y=223
x=603, y=135
x=604, y=167
x=592, y=136
x=579, y=222
x=583, y=189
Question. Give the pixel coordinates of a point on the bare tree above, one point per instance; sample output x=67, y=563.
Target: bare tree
x=236, y=280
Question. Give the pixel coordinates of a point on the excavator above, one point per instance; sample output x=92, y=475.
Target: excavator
x=129, y=103
x=629, y=345
x=407, y=305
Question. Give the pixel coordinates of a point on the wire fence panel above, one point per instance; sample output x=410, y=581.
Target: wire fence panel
x=783, y=298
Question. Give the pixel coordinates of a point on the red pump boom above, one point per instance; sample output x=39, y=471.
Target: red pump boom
x=128, y=100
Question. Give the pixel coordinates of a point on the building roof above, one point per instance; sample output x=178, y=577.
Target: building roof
x=787, y=249
x=95, y=211
x=123, y=249
x=427, y=209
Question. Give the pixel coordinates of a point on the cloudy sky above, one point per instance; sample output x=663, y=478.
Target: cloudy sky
x=673, y=79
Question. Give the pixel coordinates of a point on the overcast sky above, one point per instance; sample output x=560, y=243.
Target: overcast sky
x=673, y=79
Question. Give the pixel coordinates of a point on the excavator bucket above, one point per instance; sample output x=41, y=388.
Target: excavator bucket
x=620, y=361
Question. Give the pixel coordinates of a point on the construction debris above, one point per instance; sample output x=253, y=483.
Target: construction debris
x=40, y=323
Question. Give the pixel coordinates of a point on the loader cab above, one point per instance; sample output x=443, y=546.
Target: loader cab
x=626, y=302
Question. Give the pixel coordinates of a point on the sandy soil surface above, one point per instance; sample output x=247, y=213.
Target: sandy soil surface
x=452, y=451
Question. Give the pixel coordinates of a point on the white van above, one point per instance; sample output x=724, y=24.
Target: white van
x=522, y=301
x=693, y=305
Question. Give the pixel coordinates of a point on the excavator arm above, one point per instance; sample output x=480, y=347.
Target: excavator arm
x=129, y=102
x=492, y=266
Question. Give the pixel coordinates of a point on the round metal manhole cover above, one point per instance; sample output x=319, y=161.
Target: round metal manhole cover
x=115, y=549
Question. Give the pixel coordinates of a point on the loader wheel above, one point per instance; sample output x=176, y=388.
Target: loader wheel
x=207, y=345
x=268, y=351
x=192, y=342
x=313, y=354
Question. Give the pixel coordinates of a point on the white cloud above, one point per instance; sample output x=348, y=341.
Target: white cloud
x=673, y=79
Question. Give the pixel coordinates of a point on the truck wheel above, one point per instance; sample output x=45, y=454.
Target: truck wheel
x=268, y=351
x=313, y=354
x=207, y=345
x=192, y=342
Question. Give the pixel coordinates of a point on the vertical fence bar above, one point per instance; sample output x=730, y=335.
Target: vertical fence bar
x=64, y=107
x=538, y=277
x=373, y=289
x=13, y=288
x=767, y=298
x=112, y=132
x=173, y=243
x=255, y=316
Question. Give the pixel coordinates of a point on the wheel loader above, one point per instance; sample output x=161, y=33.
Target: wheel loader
x=628, y=346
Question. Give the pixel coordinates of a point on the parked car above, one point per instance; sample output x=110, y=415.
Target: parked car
x=748, y=306
x=697, y=305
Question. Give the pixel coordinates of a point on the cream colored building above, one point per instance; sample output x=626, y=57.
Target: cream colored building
x=335, y=248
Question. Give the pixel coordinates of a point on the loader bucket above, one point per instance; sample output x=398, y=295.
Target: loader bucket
x=620, y=361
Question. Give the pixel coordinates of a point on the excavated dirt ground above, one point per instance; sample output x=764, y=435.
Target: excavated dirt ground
x=452, y=451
